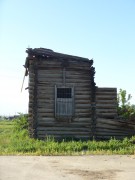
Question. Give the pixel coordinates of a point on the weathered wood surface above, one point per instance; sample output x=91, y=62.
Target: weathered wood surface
x=107, y=122
x=50, y=73
x=106, y=102
x=118, y=128
x=95, y=109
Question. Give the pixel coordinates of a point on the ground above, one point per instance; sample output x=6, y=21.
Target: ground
x=90, y=167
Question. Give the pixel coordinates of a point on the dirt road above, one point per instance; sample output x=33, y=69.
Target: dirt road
x=67, y=167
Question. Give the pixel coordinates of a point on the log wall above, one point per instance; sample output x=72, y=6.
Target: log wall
x=95, y=109
x=49, y=72
x=114, y=128
x=108, y=123
x=106, y=102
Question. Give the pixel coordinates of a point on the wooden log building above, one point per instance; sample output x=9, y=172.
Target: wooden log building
x=64, y=101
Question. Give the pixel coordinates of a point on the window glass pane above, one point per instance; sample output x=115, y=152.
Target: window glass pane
x=64, y=93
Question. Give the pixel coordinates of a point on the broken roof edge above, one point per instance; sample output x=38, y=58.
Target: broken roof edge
x=48, y=52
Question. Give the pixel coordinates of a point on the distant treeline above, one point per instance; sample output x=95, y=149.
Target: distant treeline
x=11, y=117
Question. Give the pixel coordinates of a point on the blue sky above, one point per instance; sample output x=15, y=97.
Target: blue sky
x=100, y=29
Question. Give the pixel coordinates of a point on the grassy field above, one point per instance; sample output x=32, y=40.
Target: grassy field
x=14, y=140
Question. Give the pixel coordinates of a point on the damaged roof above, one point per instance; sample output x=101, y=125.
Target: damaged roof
x=43, y=52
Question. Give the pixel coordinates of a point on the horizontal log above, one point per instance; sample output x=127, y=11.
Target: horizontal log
x=52, y=96
x=112, y=133
x=51, y=115
x=74, y=118
x=59, y=75
x=112, y=106
x=51, y=61
x=105, y=97
x=121, y=127
x=106, y=89
x=44, y=110
x=68, y=133
x=45, y=101
x=98, y=94
x=87, y=96
x=114, y=129
x=63, y=129
x=85, y=110
x=51, y=92
x=68, y=84
x=56, y=66
x=78, y=73
x=113, y=124
x=82, y=106
x=60, y=61
x=45, y=106
x=45, y=114
x=62, y=123
x=114, y=121
x=76, y=88
x=53, y=81
x=106, y=110
x=50, y=106
x=107, y=101
x=110, y=129
x=45, y=96
x=82, y=101
x=60, y=80
x=60, y=137
x=51, y=77
x=107, y=114
x=76, y=69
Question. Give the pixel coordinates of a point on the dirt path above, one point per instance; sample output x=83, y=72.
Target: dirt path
x=67, y=167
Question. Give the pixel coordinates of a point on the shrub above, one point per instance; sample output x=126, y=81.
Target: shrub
x=21, y=123
x=125, y=109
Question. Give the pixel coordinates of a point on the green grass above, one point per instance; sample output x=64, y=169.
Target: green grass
x=14, y=140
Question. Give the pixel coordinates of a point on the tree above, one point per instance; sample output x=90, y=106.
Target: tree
x=125, y=109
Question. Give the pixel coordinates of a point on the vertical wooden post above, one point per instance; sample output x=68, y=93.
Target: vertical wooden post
x=93, y=104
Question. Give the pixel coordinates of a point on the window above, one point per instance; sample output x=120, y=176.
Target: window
x=63, y=102
x=64, y=93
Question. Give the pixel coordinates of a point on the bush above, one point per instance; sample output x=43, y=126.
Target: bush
x=125, y=109
x=21, y=123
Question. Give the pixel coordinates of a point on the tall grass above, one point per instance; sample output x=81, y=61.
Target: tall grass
x=14, y=139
